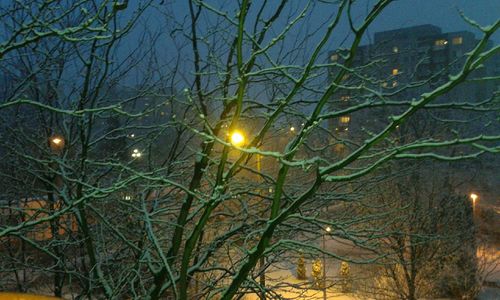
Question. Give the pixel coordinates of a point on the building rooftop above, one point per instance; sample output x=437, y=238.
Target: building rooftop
x=403, y=33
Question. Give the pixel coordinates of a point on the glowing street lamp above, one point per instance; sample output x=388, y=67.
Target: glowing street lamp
x=237, y=138
x=56, y=142
x=474, y=197
x=328, y=229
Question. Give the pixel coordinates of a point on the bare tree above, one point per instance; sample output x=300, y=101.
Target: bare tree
x=219, y=163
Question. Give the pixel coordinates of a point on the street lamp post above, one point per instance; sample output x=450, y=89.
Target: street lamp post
x=327, y=229
x=56, y=144
x=238, y=139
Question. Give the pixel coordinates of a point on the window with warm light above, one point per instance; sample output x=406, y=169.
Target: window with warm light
x=394, y=84
x=334, y=57
x=395, y=72
x=441, y=42
x=345, y=98
x=458, y=40
x=345, y=119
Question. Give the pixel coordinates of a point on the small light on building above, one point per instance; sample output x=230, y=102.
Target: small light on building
x=441, y=42
x=458, y=40
x=345, y=119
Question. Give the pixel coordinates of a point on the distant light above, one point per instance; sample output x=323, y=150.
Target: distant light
x=328, y=229
x=136, y=153
x=237, y=138
x=132, y=135
x=56, y=142
x=292, y=129
x=474, y=196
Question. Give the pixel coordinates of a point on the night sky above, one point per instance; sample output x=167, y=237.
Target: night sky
x=443, y=13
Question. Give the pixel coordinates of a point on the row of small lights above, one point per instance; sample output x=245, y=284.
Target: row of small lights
x=237, y=139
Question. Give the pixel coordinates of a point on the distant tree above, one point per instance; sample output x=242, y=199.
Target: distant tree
x=345, y=277
x=115, y=144
x=430, y=233
x=301, y=268
x=317, y=273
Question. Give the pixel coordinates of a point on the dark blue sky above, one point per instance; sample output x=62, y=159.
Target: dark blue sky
x=443, y=13
x=400, y=13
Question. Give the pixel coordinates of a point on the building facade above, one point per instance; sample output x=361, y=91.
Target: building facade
x=400, y=65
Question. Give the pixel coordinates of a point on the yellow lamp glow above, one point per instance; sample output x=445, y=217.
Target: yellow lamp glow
x=474, y=196
x=237, y=138
x=56, y=143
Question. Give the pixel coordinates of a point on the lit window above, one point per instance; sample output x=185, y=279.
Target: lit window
x=345, y=98
x=395, y=72
x=384, y=84
x=345, y=119
x=458, y=40
x=395, y=49
x=334, y=57
x=394, y=84
x=441, y=42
